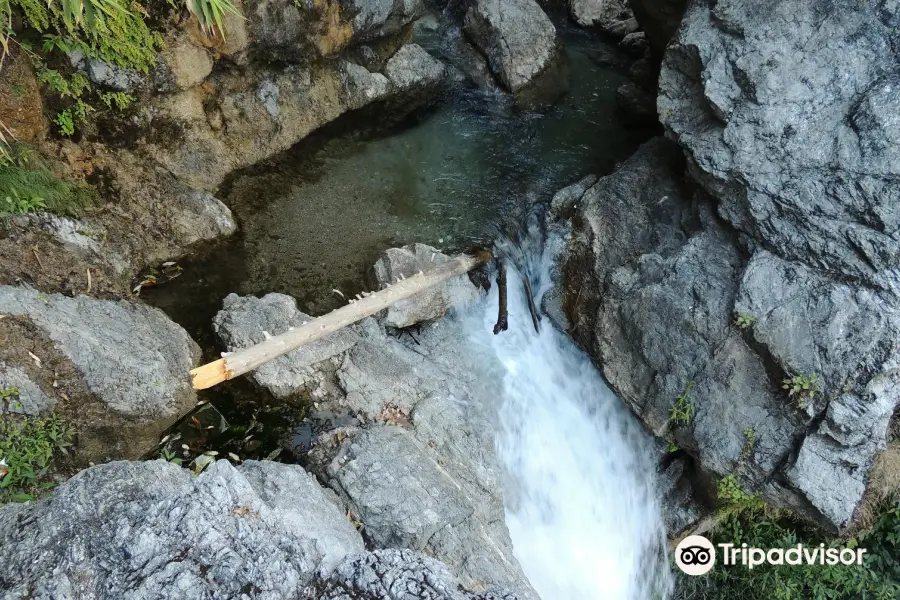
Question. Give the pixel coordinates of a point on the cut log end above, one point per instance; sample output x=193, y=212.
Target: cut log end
x=209, y=375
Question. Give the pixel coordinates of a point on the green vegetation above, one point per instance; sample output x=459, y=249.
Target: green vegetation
x=28, y=446
x=802, y=388
x=749, y=443
x=113, y=31
x=744, y=321
x=877, y=579
x=682, y=412
x=29, y=186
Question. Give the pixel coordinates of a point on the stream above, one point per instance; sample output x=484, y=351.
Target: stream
x=580, y=504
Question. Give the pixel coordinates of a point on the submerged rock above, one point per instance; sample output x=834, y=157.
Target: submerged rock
x=516, y=36
x=398, y=263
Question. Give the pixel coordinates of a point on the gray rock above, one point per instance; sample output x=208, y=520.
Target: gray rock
x=635, y=44
x=131, y=356
x=431, y=388
x=619, y=29
x=201, y=217
x=112, y=76
x=394, y=575
x=21, y=394
x=429, y=304
x=412, y=68
x=381, y=18
x=305, y=32
x=247, y=320
x=518, y=39
x=790, y=129
x=362, y=87
x=588, y=13
x=401, y=495
x=657, y=281
x=152, y=530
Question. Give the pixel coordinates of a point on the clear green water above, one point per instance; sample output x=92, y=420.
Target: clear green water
x=317, y=217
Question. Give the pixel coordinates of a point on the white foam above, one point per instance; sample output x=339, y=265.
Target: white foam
x=581, y=509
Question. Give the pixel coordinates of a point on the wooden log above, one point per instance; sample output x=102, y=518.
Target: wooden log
x=502, y=314
x=247, y=359
x=535, y=315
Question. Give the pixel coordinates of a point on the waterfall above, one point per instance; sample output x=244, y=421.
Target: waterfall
x=579, y=481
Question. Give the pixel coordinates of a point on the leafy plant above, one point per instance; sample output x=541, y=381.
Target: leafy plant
x=170, y=456
x=732, y=494
x=744, y=321
x=878, y=578
x=27, y=448
x=802, y=387
x=29, y=186
x=749, y=443
x=121, y=100
x=682, y=411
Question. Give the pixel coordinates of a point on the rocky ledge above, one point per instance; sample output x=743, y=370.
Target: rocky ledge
x=153, y=530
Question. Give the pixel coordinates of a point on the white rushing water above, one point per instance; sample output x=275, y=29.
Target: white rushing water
x=580, y=503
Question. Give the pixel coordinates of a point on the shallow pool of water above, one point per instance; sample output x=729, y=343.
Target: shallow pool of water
x=317, y=217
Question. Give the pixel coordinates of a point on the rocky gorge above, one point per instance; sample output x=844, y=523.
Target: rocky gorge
x=728, y=265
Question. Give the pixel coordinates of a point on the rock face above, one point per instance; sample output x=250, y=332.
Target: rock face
x=395, y=575
x=397, y=263
x=152, y=530
x=112, y=365
x=793, y=134
x=418, y=469
x=516, y=36
x=655, y=281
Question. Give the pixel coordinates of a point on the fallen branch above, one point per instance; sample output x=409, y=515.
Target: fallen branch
x=535, y=316
x=502, y=314
x=247, y=359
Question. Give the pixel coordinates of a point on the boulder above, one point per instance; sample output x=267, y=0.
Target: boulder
x=399, y=492
x=518, y=39
x=428, y=434
x=589, y=13
x=132, y=357
x=412, y=68
x=246, y=320
x=637, y=105
x=104, y=365
x=397, y=263
x=307, y=31
x=791, y=130
x=153, y=530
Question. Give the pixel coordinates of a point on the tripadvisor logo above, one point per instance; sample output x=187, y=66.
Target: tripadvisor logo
x=696, y=555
